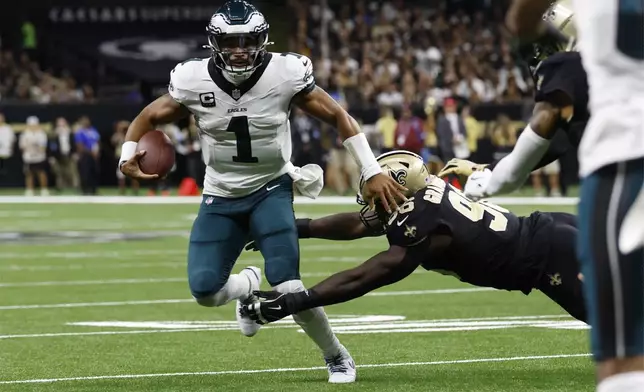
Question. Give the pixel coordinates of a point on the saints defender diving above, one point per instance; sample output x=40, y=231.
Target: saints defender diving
x=241, y=98
x=442, y=230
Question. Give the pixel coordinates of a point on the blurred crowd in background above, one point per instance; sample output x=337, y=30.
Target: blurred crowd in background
x=420, y=69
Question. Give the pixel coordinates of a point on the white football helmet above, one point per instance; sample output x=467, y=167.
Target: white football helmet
x=238, y=37
x=560, y=34
x=409, y=170
x=560, y=15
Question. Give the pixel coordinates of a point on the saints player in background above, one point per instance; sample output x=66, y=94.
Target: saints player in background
x=611, y=209
x=241, y=98
x=559, y=115
x=443, y=231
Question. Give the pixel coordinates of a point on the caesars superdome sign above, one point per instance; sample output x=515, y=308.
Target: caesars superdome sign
x=118, y=14
x=144, y=42
x=154, y=49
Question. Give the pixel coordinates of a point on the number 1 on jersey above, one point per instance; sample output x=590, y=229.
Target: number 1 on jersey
x=239, y=126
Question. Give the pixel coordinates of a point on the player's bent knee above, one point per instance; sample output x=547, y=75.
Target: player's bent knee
x=204, y=287
x=212, y=300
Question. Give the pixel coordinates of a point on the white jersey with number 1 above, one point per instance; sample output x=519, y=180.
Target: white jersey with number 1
x=244, y=129
x=611, y=42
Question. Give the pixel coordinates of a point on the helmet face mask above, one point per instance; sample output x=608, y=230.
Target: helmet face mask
x=238, y=37
x=409, y=170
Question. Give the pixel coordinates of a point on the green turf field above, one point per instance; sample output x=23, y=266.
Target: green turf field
x=84, y=307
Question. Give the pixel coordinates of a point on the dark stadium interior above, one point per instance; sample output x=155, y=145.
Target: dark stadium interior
x=105, y=60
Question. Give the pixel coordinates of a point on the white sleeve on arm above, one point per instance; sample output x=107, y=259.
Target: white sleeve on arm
x=512, y=171
x=299, y=69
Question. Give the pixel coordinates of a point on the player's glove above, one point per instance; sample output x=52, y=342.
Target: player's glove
x=461, y=168
x=272, y=308
x=477, y=183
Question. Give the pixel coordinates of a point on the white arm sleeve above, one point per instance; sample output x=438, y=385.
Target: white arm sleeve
x=512, y=171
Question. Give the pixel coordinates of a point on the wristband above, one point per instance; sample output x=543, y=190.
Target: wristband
x=300, y=301
x=359, y=149
x=128, y=150
x=303, y=228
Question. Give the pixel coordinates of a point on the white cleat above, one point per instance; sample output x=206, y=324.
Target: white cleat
x=247, y=326
x=342, y=369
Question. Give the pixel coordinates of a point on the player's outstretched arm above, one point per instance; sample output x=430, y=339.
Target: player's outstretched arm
x=163, y=110
x=338, y=227
x=379, y=186
x=383, y=269
x=528, y=154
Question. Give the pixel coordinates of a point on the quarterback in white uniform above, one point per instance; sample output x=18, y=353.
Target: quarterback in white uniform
x=611, y=157
x=241, y=98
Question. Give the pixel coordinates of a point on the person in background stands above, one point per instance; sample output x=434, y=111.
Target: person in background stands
x=386, y=125
x=87, y=141
x=33, y=144
x=7, y=141
x=551, y=171
x=474, y=130
x=504, y=136
x=410, y=135
x=451, y=133
x=194, y=161
x=118, y=138
x=63, y=161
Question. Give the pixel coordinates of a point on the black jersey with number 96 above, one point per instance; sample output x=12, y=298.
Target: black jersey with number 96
x=489, y=245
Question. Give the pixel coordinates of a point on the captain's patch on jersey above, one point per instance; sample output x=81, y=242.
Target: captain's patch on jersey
x=207, y=100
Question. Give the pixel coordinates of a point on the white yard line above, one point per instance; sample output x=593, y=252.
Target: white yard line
x=173, y=252
x=299, y=369
x=185, y=300
x=158, y=264
x=231, y=325
x=140, y=280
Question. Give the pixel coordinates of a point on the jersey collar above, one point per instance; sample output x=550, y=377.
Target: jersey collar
x=236, y=91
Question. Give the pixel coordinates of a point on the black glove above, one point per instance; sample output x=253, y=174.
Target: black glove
x=273, y=307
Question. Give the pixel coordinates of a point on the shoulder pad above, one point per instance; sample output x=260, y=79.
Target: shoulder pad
x=558, y=72
x=415, y=222
x=183, y=77
x=298, y=69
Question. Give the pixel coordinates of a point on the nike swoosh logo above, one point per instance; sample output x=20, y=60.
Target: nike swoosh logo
x=402, y=221
x=270, y=188
x=277, y=308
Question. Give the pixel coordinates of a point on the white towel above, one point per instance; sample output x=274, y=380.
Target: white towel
x=308, y=179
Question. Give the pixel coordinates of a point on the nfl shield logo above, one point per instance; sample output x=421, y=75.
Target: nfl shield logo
x=236, y=94
x=209, y=200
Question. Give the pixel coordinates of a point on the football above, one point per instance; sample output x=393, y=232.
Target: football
x=159, y=153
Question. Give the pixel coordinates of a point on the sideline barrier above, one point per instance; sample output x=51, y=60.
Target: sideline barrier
x=324, y=200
